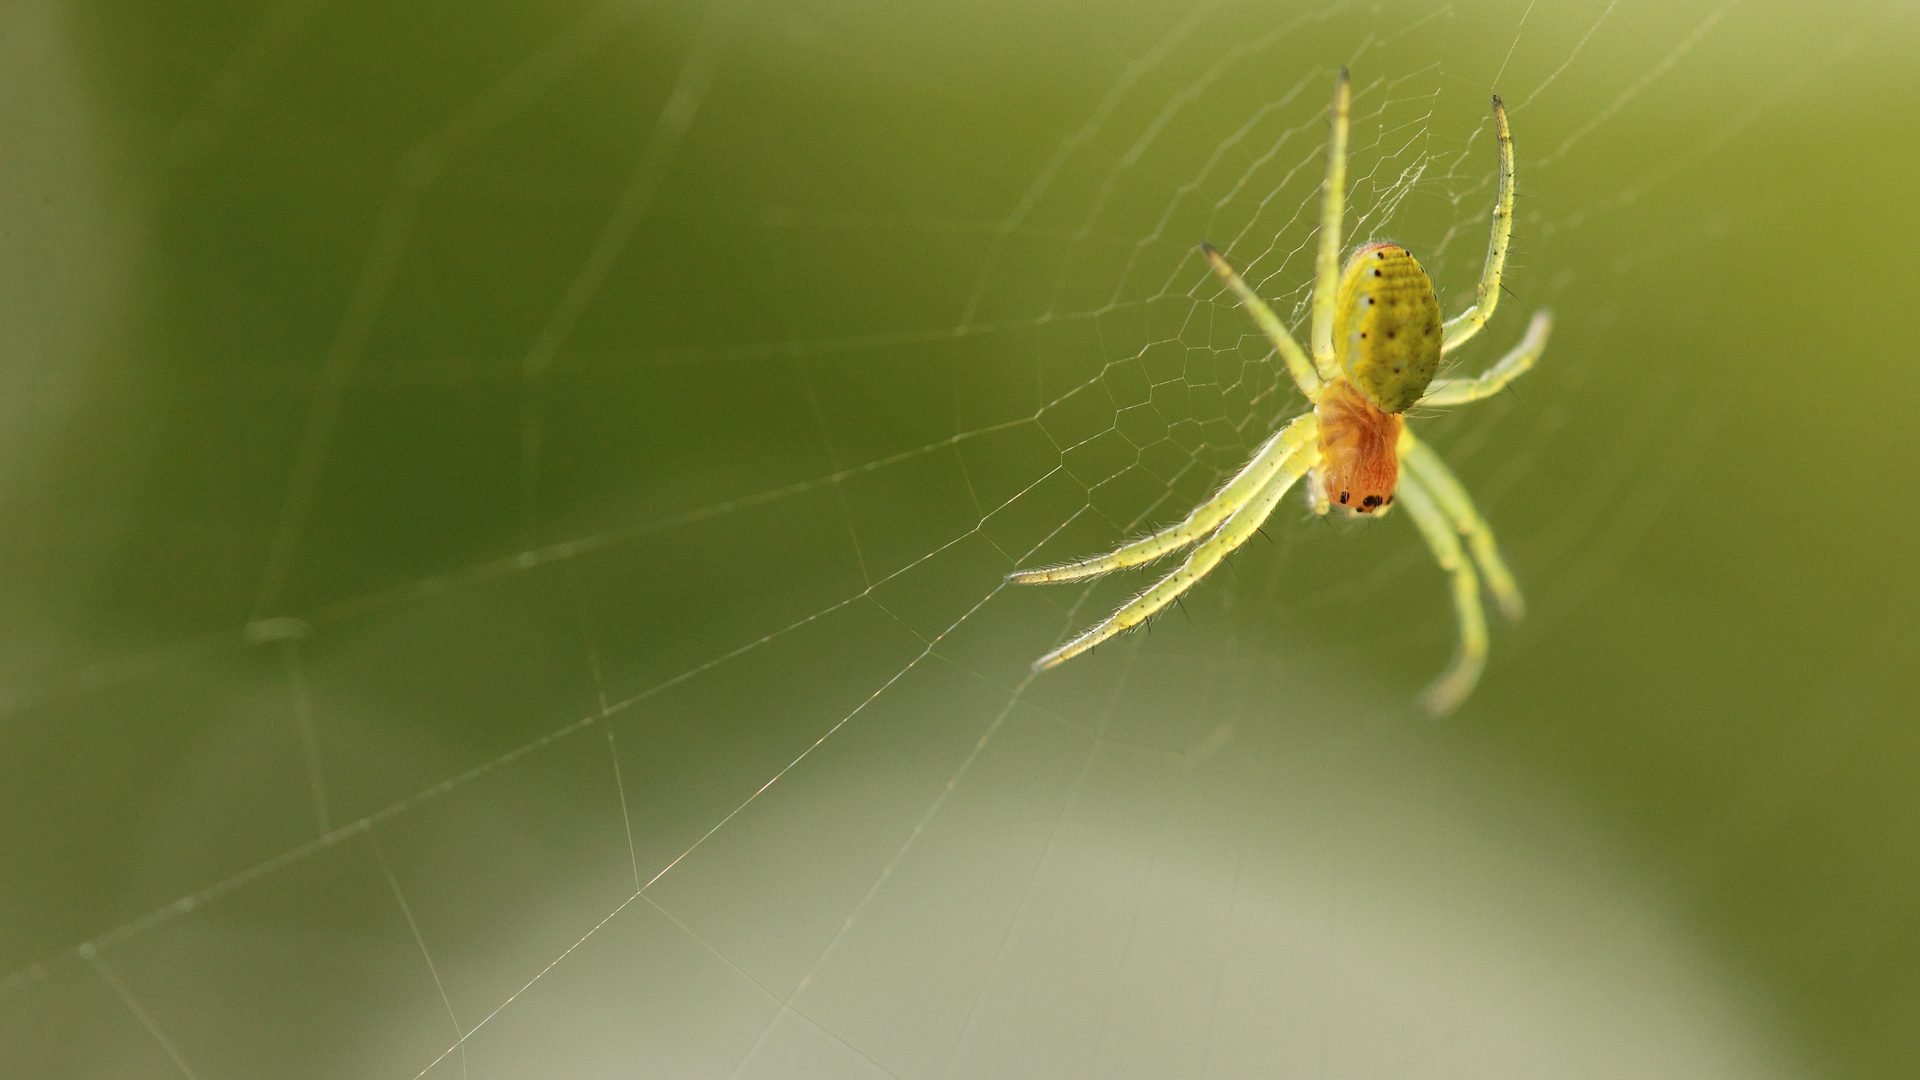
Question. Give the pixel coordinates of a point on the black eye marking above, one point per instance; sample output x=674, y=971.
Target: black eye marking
x=1372, y=501
x=1343, y=498
x=1389, y=500
x=1376, y=271
x=1381, y=254
x=1369, y=301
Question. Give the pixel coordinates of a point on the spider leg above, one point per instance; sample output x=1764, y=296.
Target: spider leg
x=1453, y=685
x=1432, y=474
x=1508, y=368
x=1468, y=323
x=1298, y=365
x=1238, y=528
x=1333, y=201
x=1271, y=459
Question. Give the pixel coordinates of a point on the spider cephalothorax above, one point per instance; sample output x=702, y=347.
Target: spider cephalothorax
x=1377, y=340
x=1359, y=450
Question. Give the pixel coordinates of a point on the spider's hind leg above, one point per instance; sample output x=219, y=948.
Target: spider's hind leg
x=1519, y=359
x=1299, y=366
x=1333, y=202
x=1463, y=326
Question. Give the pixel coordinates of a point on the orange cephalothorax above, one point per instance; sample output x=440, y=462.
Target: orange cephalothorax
x=1359, y=449
x=1386, y=326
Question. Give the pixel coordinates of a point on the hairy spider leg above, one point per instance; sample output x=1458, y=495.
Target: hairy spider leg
x=1458, y=680
x=1333, y=202
x=1298, y=366
x=1238, y=530
x=1271, y=458
x=1468, y=323
x=1508, y=368
x=1431, y=473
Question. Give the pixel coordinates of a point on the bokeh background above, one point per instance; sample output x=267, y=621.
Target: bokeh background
x=505, y=504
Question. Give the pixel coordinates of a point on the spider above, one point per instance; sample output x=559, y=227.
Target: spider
x=1377, y=343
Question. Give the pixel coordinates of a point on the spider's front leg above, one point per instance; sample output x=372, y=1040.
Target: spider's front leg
x=1451, y=497
x=1266, y=463
x=1453, y=686
x=1445, y=514
x=1238, y=529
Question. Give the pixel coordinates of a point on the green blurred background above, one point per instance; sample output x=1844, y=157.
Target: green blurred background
x=505, y=507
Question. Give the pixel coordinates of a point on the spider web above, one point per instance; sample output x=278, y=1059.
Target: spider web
x=619, y=677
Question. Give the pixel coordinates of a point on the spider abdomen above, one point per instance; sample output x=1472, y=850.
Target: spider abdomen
x=1359, y=449
x=1386, y=326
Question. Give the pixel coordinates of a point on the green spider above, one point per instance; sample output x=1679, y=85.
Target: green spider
x=1377, y=343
